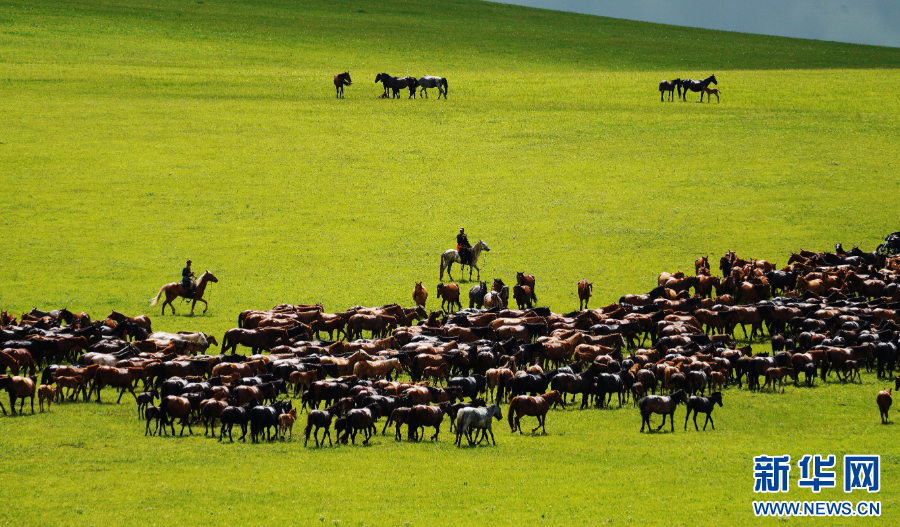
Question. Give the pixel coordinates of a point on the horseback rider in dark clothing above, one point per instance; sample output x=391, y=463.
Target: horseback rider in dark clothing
x=463, y=247
x=186, y=282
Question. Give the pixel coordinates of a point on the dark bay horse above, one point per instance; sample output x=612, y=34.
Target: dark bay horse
x=341, y=80
x=660, y=404
x=397, y=83
x=697, y=86
x=175, y=290
x=534, y=406
x=669, y=86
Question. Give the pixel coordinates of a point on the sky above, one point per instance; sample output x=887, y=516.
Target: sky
x=875, y=22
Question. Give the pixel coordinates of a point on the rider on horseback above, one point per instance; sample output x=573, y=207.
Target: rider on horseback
x=463, y=247
x=186, y=282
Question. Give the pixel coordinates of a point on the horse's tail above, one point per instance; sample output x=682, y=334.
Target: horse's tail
x=153, y=301
x=512, y=409
x=446, y=87
x=309, y=425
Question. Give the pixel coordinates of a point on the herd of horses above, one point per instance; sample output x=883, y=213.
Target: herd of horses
x=395, y=84
x=836, y=314
x=685, y=85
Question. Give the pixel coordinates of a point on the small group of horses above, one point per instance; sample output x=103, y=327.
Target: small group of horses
x=395, y=84
x=685, y=85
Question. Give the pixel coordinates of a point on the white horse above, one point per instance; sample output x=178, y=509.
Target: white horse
x=493, y=299
x=451, y=255
x=469, y=419
x=429, y=81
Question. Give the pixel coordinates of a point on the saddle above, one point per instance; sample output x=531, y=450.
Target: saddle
x=189, y=289
x=465, y=256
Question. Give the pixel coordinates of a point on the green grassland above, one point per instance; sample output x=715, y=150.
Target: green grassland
x=138, y=134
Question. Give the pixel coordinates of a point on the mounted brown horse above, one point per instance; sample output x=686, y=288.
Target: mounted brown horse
x=175, y=290
x=534, y=406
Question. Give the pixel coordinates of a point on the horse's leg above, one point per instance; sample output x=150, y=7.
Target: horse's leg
x=686, y=416
x=663, y=422
x=695, y=422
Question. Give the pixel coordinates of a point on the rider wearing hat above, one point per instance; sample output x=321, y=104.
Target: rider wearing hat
x=186, y=282
x=463, y=247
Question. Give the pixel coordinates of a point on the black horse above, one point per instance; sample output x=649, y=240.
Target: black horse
x=705, y=405
x=397, y=83
x=660, y=404
x=476, y=295
x=341, y=80
x=697, y=86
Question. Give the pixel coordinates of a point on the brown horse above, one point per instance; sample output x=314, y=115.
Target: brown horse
x=669, y=86
x=661, y=404
x=534, y=406
x=175, y=290
x=700, y=263
x=585, y=291
x=449, y=294
x=420, y=294
x=711, y=91
x=141, y=321
x=884, y=404
x=523, y=295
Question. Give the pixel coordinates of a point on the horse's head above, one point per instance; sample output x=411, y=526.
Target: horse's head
x=482, y=245
x=712, y=79
x=347, y=78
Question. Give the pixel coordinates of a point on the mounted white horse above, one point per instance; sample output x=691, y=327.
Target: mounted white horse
x=433, y=82
x=450, y=255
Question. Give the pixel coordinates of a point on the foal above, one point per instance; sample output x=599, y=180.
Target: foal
x=711, y=91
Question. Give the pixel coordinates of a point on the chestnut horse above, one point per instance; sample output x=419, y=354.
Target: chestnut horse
x=884, y=403
x=420, y=294
x=585, y=291
x=534, y=406
x=711, y=91
x=449, y=294
x=175, y=290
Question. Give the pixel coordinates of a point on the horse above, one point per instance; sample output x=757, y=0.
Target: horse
x=709, y=92
x=420, y=294
x=429, y=81
x=492, y=299
x=884, y=404
x=669, y=86
x=479, y=419
x=702, y=404
x=660, y=404
x=175, y=290
x=697, y=86
x=523, y=295
x=585, y=291
x=534, y=406
x=451, y=255
x=422, y=416
x=362, y=419
x=396, y=84
x=341, y=80
x=320, y=419
x=449, y=294
x=476, y=295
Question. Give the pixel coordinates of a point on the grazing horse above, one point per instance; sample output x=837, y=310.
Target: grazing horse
x=420, y=295
x=537, y=406
x=429, y=81
x=884, y=404
x=702, y=404
x=660, y=404
x=175, y=290
x=697, y=86
x=585, y=291
x=451, y=255
x=468, y=419
x=669, y=86
x=709, y=92
x=449, y=294
x=341, y=80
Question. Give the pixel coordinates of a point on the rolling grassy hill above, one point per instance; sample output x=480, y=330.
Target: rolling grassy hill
x=139, y=134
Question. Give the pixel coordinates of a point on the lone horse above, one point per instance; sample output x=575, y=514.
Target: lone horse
x=451, y=255
x=175, y=289
x=341, y=80
x=697, y=86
